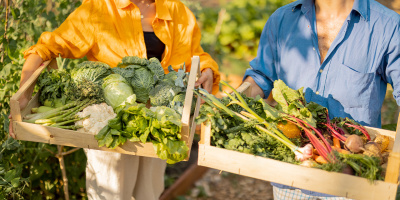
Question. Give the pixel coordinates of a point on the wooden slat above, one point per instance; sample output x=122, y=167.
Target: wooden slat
x=51, y=135
x=185, y=182
x=317, y=180
x=188, y=126
x=14, y=104
x=393, y=167
x=294, y=175
x=33, y=103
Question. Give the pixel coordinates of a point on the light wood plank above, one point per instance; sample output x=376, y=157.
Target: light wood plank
x=51, y=135
x=294, y=175
x=393, y=167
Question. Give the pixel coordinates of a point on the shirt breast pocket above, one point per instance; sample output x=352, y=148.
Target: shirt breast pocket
x=353, y=87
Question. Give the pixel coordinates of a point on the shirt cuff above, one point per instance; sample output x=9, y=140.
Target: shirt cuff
x=40, y=50
x=263, y=82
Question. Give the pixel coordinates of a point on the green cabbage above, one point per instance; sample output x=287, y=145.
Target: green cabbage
x=116, y=90
x=93, y=71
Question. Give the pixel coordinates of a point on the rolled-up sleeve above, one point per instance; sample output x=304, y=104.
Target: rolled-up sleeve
x=73, y=39
x=263, y=66
x=206, y=60
x=392, y=59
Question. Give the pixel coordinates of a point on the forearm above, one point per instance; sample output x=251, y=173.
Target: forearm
x=31, y=64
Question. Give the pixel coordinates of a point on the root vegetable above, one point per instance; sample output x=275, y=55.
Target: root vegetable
x=340, y=150
x=304, y=153
x=373, y=148
x=347, y=170
x=308, y=163
x=320, y=160
x=336, y=142
x=289, y=129
x=354, y=143
x=382, y=141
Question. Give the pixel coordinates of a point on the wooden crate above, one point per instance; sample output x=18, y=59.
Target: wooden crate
x=51, y=135
x=313, y=179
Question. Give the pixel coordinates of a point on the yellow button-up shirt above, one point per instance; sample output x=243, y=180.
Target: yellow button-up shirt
x=107, y=30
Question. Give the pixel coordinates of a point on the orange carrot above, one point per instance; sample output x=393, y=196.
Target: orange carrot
x=340, y=150
x=336, y=142
x=320, y=160
x=315, y=152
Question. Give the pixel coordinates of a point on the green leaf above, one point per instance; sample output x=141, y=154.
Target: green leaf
x=102, y=133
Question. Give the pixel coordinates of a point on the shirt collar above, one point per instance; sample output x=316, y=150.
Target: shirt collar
x=162, y=11
x=360, y=6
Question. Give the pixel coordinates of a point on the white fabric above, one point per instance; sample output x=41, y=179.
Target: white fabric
x=115, y=176
x=289, y=194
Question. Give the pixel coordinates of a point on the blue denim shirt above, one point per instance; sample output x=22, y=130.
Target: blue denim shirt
x=352, y=80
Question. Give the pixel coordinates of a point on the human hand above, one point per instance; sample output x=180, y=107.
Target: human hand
x=23, y=102
x=206, y=80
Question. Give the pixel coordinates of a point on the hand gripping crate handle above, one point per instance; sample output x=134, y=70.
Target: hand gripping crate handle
x=14, y=102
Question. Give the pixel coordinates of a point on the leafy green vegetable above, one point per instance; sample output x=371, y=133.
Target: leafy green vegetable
x=134, y=60
x=135, y=122
x=90, y=71
x=141, y=73
x=142, y=82
x=116, y=90
x=231, y=133
x=166, y=89
x=56, y=84
x=156, y=68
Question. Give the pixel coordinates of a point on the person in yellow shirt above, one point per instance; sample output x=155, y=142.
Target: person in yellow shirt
x=107, y=31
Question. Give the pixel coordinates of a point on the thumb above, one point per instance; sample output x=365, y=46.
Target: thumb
x=200, y=81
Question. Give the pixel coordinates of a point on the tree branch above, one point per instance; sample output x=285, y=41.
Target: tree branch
x=70, y=151
x=62, y=167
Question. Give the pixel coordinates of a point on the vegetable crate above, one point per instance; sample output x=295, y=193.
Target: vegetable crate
x=313, y=179
x=51, y=135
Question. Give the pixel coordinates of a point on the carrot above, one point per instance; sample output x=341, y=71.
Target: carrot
x=340, y=150
x=336, y=142
x=315, y=152
x=320, y=160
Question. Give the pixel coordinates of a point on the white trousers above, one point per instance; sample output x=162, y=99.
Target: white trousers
x=115, y=176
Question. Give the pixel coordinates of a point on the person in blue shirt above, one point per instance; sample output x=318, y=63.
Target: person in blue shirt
x=343, y=52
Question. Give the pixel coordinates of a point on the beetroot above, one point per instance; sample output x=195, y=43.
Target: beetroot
x=354, y=143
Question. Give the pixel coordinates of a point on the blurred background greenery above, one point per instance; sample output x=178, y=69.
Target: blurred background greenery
x=230, y=30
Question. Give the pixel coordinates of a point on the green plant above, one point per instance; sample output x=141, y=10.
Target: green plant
x=31, y=170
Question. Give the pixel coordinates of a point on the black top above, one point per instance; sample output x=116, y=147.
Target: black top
x=154, y=46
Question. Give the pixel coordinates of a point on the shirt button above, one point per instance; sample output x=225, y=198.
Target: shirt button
x=317, y=92
x=320, y=71
x=313, y=48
